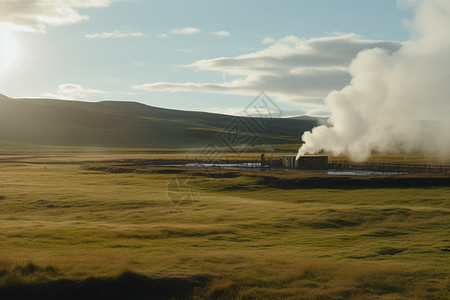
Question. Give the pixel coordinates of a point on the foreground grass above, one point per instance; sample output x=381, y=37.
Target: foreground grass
x=60, y=223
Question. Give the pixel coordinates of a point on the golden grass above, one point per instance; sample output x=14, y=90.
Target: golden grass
x=256, y=242
x=42, y=154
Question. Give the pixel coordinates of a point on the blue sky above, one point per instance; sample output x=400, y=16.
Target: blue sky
x=192, y=55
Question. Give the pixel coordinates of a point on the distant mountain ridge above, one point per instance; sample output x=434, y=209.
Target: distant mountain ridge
x=132, y=124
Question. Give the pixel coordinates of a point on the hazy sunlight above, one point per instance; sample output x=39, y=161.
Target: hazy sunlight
x=8, y=49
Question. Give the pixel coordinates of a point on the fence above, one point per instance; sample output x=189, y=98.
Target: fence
x=389, y=167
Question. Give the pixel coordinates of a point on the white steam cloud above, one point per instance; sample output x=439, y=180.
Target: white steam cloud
x=398, y=101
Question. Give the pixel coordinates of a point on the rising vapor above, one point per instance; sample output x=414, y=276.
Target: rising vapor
x=396, y=101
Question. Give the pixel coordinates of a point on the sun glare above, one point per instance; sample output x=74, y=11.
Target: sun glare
x=8, y=49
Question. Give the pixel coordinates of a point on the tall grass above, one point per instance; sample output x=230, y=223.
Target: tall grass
x=78, y=229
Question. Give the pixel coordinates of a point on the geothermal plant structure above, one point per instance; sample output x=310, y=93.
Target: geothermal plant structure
x=309, y=162
x=320, y=162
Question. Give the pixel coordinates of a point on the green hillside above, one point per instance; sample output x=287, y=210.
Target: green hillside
x=130, y=124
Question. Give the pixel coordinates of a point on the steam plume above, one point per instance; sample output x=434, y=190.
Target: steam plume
x=396, y=102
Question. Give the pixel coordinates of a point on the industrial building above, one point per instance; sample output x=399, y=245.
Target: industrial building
x=307, y=162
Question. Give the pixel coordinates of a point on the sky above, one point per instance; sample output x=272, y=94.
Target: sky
x=203, y=55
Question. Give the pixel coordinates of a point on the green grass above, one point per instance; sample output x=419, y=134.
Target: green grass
x=67, y=227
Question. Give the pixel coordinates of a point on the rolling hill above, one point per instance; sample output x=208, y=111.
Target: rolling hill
x=131, y=124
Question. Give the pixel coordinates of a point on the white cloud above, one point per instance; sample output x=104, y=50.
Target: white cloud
x=114, y=34
x=221, y=33
x=181, y=31
x=268, y=40
x=70, y=91
x=293, y=70
x=37, y=15
x=185, y=30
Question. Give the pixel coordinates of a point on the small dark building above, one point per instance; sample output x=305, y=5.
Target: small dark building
x=312, y=162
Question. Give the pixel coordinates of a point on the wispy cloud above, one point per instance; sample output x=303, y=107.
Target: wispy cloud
x=185, y=30
x=221, y=33
x=268, y=40
x=37, y=15
x=292, y=69
x=181, y=31
x=114, y=34
x=70, y=91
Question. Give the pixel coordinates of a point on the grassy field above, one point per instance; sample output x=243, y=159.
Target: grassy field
x=131, y=124
x=68, y=231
